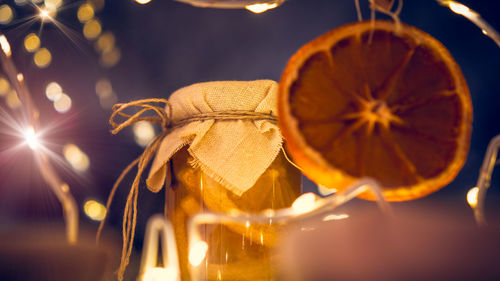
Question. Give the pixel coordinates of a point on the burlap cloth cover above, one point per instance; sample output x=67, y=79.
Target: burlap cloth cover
x=234, y=152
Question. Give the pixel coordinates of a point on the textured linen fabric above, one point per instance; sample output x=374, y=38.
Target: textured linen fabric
x=234, y=152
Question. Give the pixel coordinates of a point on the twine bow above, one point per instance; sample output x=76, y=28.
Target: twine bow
x=130, y=212
x=162, y=117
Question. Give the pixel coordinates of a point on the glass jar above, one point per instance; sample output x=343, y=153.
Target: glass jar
x=235, y=252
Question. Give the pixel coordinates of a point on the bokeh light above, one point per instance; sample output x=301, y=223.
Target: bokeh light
x=53, y=91
x=94, y=210
x=42, y=58
x=143, y=1
x=97, y=4
x=31, y=42
x=4, y=86
x=53, y=4
x=106, y=42
x=63, y=104
x=304, y=203
x=85, y=12
x=104, y=90
x=76, y=157
x=12, y=99
x=144, y=133
x=92, y=29
x=110, y=58
x=6, y=14
x=261, y=7
x=197, y=252
x=160, y=274
x=472, y=196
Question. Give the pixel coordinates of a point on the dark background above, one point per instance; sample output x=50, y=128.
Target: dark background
x=166, y=45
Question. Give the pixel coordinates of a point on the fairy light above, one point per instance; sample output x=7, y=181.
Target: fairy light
x=76, y=157
x=6, y=14
x=144, y=133
x=92, y=29
x=197, y=252
x=94, y=210
x=472, y=196
x=261, y=7
x=85, y=13
x=304, y=203
x=472, y=16
x=110, y=58
x=42, y=58
x=160, y=274
x=143, y=1
x=53, y=91
x=335, y=217
x=4, y=86
x=31, y=42
x=5, y=46
x=325, y=191
x=63, y=103
x=31, y=138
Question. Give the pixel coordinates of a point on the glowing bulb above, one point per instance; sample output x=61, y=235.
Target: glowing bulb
x=335, y=217
x=459, y=8
x=472, y=196
x=160, y=274
x=85, y=13
x=53, y=91
x=143, y=1
x=197, y=252
x=6, y=14
x=4, y=43
x=144, y=133
x=304, y=203
x=31, y=138
x=42, y=58
x=94, y=210
x=325, y=191
x=44, y=14
x=4, y=86
x=75, y=157
x=261, y=7
x=63, y=104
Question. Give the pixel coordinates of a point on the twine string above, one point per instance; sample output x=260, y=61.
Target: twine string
x=162, y=117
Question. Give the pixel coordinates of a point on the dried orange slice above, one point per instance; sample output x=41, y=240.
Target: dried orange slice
x=372, y=99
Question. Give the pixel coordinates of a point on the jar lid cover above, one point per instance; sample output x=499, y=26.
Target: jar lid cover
x=230, y=130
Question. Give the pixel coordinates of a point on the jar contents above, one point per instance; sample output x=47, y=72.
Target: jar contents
x=236, y=251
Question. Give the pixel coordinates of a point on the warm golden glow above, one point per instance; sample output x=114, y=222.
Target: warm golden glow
x=13, y=100
x=94, y=210
x=53, y=91
x=46, y=13
x=110, y=58
x=325, y=191
x=160, y=274
x=42, y=58
x=106, y=42
x=53, y=4
x=6, y=14
x=92, y=29
x=31, y=42
x=261, y=7
x=304, y=203
x=4, y=86
x=143, y=1
x=104, y=90
x=31, y=138
x=334, y=217
x=197, y=252
x=472, y=196
x=4, y=43
x=63, y=103
x=85, y=13
x=144, y=133
x=20, y=77
x=76, y=157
